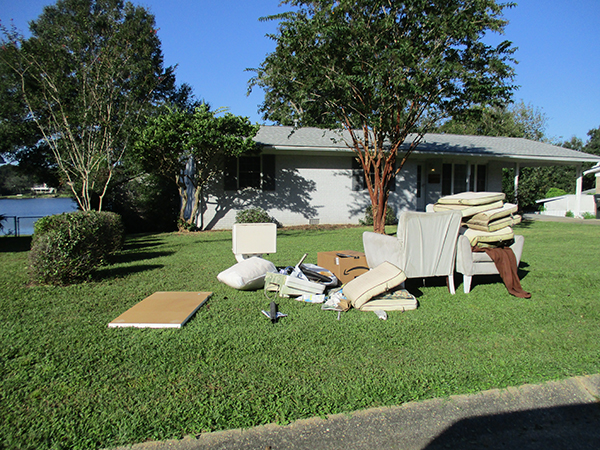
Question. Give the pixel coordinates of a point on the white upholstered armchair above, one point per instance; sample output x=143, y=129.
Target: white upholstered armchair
x=471, y=263
x=425, y=245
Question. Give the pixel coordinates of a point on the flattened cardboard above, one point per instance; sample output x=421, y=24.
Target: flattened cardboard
x=346, y=265
x=162, y=310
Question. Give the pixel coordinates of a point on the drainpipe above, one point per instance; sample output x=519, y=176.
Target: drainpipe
x=517, y=169
x=578, y=190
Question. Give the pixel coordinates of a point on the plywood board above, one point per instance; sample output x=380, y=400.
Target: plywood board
x=162, y=310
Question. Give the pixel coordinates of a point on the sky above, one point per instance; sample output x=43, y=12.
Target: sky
x=213, y=42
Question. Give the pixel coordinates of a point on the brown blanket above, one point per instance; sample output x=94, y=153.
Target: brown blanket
x=506, y=263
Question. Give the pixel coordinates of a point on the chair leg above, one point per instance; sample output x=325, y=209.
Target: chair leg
x=451, y=284
x=467, y=283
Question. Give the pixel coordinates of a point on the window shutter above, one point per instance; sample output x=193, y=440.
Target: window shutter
x=268, y=172
x=393, y=180
x=230, y=174
x=358, y=175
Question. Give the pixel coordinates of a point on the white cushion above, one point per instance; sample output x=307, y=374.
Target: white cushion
x=485, y=237
x=248, y=274
x=485, y=217
x=472, y=198
x=467, y=210
x=381, y=279
x=494, y=225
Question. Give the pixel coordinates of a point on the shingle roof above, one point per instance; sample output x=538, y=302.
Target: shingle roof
x=505, y=148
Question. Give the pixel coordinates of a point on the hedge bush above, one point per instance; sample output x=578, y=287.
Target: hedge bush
x=390, y=217
x=253, y=215
x=68, y=247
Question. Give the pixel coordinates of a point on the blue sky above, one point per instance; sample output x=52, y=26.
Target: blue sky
x=214, y=41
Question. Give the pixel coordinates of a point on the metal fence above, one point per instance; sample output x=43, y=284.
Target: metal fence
x=17, y=222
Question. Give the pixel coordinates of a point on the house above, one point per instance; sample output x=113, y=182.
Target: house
x=42, y=189
x=310, y=176
x=558, y=206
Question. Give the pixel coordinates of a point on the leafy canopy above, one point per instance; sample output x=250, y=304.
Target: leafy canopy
x=90, y=68
x=386, y=68
x=170, y=141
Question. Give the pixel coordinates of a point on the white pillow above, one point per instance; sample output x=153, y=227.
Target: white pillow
x=381, y=279
x=248, y=274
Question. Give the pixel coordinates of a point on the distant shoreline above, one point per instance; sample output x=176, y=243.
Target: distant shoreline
x=28, y=196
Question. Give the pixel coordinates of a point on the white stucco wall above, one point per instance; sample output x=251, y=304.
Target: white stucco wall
x=494, y=177
x=308, y=190
x=559, y=206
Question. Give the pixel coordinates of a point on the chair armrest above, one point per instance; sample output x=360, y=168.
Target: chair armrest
x=517, y=247
x=464, y=256
x=380, y=248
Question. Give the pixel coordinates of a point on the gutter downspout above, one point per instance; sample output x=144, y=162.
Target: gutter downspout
x=578, y=190
x=517, y=170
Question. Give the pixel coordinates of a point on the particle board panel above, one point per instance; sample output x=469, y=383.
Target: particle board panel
x=162, y=310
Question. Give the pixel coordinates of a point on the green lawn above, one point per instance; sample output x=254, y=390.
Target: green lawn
x=68, y=381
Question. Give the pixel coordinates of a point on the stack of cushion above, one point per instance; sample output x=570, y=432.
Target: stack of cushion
x=487, y=220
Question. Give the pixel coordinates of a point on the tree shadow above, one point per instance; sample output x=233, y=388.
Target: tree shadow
x=493, y=278
x=15, y=244
x=560, y=427
x=111, y=273
x=144, y=243
x=126, y=258
x=293, y=193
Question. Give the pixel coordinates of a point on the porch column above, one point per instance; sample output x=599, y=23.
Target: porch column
x=578, y=190
x=469, y=188
x=517, y=169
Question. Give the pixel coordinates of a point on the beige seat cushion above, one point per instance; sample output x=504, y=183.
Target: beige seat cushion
x=494, y=224
x=487, y=237
x=472, y=198
x=467, y=210
x=382, y=278
x=400, y=300
x=485, y=217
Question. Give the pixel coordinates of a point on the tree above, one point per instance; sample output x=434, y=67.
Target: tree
x=168, y=142
x=89, y=70
x=383, y=70
x=524, y=121
x=516, y=120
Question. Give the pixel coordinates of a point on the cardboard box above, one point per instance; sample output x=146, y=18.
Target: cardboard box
x=345, y=264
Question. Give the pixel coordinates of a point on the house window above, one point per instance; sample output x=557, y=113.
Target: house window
x=454, y=178
x=478, y=178
x=256, y=172
x=447, y=179
x=460, y=178
x=358, y=177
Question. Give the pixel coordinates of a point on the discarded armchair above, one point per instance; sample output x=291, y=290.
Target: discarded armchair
x=471, y=263
x=425, y=245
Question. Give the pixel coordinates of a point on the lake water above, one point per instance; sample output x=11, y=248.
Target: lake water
x=28, y=210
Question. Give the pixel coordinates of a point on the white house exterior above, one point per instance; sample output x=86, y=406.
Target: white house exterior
x=310, y=176
x=558, y=206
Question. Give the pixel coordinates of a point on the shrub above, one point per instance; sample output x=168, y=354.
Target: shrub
x=588, y=215
x=569, y=214
x=68, y=247
x=555, y=192
x=148, y=203
x=253, y=215
x=390, y=217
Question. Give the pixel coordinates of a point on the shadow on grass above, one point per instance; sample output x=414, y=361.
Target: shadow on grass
x=492, y=278
x=572, y=426
x=108, y=273
x=138, y=243
x=15, y=244
x=126, y=258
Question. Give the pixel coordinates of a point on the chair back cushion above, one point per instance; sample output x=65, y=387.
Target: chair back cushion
x=429, y=242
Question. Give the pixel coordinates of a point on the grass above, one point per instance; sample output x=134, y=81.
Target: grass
x=68, y=381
